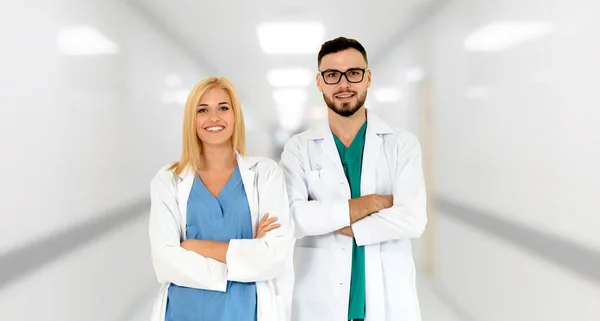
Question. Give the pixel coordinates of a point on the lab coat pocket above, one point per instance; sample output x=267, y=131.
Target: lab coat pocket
x=319, y=184
x=313, y=274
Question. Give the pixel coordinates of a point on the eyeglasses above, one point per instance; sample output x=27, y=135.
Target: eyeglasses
x=353, y=75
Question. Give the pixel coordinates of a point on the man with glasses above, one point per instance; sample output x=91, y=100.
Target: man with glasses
x=357, y=198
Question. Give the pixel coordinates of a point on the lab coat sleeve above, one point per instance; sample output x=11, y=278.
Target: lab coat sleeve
x=310, y=217
x=407, y=217
x=251, y=260
x=171, y=262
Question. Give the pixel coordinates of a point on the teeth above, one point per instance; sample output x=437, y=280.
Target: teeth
x=344, y=96
x=214, y=129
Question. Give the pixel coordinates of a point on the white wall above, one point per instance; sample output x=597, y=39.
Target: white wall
x=517, y=136
x=530, y=144
x=81, y=136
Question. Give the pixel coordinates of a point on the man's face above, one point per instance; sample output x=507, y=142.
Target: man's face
x=348, y=95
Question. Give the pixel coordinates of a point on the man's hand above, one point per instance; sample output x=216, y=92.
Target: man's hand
x=386, y=201
x=346, y=231
x=364, y=206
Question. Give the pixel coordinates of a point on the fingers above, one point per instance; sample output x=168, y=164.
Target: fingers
x=271, y=227
x=266, y=224
x=389, y=200
x=271, y=220
x=263, y=231
x=264, y=218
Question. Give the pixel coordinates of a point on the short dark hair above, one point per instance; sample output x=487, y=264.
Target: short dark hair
x=340, y=44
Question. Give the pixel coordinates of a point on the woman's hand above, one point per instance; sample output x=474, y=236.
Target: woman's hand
x=265, y=225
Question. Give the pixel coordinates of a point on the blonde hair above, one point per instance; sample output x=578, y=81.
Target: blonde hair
x=191, y=153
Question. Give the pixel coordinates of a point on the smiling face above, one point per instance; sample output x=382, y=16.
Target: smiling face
x=215, y=119
x=348, y=95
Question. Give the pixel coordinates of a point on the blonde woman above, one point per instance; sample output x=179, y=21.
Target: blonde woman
x=220, y=230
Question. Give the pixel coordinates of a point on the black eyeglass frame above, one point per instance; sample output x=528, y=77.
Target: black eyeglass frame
x=343, y=74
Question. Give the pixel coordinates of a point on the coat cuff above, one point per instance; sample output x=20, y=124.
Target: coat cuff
x=362, y=235
x=239, y=258
x=219, y=273
x=339, y=212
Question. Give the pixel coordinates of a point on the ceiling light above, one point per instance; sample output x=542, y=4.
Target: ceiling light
x=84, y=40
x=503, y=35
x=387, y=95
x=292, y=77
x=290, y=37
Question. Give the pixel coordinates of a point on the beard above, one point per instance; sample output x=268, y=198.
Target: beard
x=346, y=109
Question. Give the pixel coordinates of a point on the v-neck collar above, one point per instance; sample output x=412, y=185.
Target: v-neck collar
x=355, y=144
x=225, y=191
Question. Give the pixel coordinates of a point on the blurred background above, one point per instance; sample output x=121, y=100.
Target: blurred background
x=500, y=93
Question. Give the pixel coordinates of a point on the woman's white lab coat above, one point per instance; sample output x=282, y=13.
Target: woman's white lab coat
x=319, y=193
x=266, y=261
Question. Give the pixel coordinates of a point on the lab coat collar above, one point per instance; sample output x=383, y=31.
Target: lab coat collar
x=245, y=162
x=375, y=126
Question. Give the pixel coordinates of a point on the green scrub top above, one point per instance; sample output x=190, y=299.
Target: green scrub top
x=351, y=158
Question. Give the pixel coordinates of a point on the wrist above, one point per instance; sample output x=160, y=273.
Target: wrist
x=377, y=203
x=383, y=202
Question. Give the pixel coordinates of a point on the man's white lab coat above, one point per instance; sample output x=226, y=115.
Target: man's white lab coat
x=319, y=193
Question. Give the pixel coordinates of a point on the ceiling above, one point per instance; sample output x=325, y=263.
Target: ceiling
x=222, y=37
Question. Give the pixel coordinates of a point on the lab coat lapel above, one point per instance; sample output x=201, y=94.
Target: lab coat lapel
x=332, y=153
x=368, y=178
x=183, y=194
x=323, y=138
x=374, y=269
x=248, y=178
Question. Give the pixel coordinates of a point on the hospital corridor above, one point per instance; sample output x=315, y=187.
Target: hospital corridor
x=499, y=94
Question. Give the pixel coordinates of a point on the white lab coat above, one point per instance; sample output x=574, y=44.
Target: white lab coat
x=319, y=193
x=266, y=261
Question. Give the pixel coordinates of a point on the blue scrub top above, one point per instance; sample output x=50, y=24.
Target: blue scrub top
x=218, y=219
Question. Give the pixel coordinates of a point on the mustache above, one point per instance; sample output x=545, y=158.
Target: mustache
x=345, y=92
